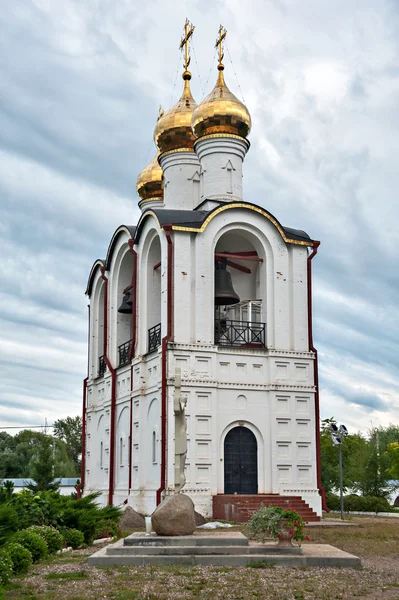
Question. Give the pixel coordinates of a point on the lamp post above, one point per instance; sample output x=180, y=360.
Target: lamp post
x=338, y=435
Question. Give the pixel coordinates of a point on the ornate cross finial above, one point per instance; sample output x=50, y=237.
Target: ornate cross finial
x=161, y=112
x=219, y=42
x=188, y=32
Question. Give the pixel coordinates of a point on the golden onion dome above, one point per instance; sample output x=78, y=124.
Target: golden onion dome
x=173, y=130
x=221, y=112
x=149, y=184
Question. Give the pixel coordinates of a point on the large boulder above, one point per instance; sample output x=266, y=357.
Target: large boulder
x=174, y=516
x=199, y=519
x=131, y=519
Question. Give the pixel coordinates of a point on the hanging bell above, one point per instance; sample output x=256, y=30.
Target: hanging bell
x=126, y=306
x=224, y=291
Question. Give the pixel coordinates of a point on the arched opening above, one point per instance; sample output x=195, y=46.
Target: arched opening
x=240, y=462
x=154, y=295
x=124, y=306
x=239, y=291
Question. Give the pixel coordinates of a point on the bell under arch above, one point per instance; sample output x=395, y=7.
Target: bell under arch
x=239, y=289
x=124, y=296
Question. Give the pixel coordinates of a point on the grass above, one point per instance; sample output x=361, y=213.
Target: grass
x=376, y=540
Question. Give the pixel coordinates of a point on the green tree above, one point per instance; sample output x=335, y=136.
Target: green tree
x=393, y=455
x=69, y=431
x=42, y=467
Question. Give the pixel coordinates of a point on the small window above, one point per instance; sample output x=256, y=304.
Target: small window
x=121, y=452
x=101, y=455
x=154, y=447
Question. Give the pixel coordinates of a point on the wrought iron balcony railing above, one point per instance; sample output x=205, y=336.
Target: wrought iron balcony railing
x=240, y=333
x=124, y=353
x=102, y=366
x=154, y=337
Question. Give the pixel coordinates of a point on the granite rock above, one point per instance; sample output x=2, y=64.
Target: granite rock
x=174, y=516
x=131, y=519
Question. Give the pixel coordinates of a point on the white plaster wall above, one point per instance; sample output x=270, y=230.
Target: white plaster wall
x=221, y=161
x=181, y=171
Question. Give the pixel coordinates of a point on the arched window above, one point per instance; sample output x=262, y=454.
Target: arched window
x=154, y=295
x=101, y=455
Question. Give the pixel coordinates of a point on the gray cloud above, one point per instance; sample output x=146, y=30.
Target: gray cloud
x=78, y=104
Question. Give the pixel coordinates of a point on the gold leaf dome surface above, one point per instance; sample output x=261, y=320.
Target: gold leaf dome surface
x=173, y=130
x=149, y=183
x=221, y=112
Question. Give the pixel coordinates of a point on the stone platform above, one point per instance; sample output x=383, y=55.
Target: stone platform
x=230, y=549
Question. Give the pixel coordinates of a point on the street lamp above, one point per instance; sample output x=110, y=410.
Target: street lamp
x=338, y=435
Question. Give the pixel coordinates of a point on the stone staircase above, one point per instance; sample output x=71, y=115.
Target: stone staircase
x=239, y=507
x=221, y=548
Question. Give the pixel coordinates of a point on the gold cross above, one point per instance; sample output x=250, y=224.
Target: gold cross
x=188, y=32
x=219, y=42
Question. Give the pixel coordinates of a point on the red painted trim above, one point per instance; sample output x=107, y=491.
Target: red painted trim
x=131, y=429
x=316, y=376
x=237, y=256
x=237, y=266
x=157, y=266
x=111, y=481
x=165, y=340
x=170, y=311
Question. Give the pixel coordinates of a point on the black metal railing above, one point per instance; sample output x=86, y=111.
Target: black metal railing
x=240, y=333
x=154, y=337
x=124, y=353
x=102, y=366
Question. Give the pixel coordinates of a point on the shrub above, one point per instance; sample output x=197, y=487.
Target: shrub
x=5, y=567
x=272, y=520
x=33, y=542
x=73, y=537
x=51, y=536
x=9, y=522
x=333, y=501
x=20, y=556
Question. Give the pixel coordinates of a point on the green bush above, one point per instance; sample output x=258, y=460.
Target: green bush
x=355, y=503
x=5, y=567
x=333, y=502
x=9, y=522
x=73, y=537
x=33, y=542
x=51, y=536
x=20, y=556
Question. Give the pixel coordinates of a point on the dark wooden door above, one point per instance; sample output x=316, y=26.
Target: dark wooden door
x=240, y=462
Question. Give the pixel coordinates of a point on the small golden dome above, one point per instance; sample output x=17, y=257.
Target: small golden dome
x=173, y=130
x=221, y=112
x=149, y=182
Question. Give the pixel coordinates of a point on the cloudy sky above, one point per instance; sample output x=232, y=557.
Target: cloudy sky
x=80, y=86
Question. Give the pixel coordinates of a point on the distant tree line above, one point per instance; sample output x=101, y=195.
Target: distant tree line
x=40, y=456
x=370, y=462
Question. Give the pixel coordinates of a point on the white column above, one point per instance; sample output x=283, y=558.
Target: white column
x=181, y=172
x=221, y=157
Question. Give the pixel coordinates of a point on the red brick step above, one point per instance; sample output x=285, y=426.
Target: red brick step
x=239, y=508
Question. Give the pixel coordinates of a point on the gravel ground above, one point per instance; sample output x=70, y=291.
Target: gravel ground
x=375, y=540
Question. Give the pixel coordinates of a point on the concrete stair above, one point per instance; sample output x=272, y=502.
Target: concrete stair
x=240, y=507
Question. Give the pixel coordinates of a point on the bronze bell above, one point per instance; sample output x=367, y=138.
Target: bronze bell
x=224, y=291
x=126, y=306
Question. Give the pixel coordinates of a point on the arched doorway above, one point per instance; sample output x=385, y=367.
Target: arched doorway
x=240, y=462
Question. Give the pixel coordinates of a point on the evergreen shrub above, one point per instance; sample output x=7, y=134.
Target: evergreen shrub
x=50, y=535
x=33, y=542
x=73, y=537
x=20, y=556
x=5, y=567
